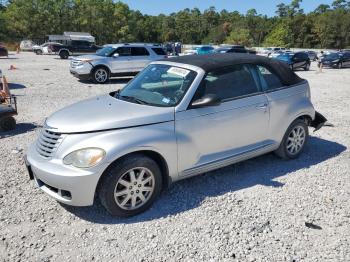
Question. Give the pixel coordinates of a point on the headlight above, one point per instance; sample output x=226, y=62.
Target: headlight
x=84, y=158
x=86, y=60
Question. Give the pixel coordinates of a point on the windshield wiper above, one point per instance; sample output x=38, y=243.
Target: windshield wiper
x=133, y=99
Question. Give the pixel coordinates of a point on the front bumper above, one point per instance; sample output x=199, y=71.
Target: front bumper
x=81, y=77
x=66, y=184
x=81, y=71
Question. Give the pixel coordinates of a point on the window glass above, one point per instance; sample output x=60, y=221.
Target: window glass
x=229, y=83
x=139, y=51
x=269, y=81
x=158, y=85
x=124, y=51
x=81, y=43
x=159, y=51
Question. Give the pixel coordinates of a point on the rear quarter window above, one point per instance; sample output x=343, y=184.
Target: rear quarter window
x=159, y=51
x=269, y=81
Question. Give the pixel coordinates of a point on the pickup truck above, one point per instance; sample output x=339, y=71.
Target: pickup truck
x=74, y=47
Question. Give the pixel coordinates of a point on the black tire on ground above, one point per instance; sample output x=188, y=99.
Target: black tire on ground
x=283, y=151
x=64, y=54
x=100, y=75
x=39, y=52
x=7, y=123
x=109, y=184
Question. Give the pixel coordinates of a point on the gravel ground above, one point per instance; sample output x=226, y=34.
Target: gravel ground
x=264, y=209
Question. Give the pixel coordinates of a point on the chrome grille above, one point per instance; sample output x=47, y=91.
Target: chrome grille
x=48, y=142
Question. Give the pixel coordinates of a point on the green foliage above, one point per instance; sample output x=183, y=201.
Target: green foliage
x=112, y=21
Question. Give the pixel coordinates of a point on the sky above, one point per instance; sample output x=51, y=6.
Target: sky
x=264, y=7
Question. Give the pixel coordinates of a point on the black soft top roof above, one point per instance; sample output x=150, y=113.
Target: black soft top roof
x=212, y=62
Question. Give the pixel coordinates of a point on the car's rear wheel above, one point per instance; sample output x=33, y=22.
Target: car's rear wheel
x=64, y=54
x=7, y=123
x=294, y=140
x=130, y=186
x=100, y=75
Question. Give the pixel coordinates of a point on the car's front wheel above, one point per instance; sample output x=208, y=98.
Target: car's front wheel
x=39, y=52
x=294, y=140
x=100, y=75
x=130, y=186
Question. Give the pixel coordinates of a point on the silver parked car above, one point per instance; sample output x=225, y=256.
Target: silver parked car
x=177, y=118
x=115, y=60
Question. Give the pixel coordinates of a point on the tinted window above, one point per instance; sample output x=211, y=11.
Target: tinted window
x=81, y=43
x=346, y=55
x=124, y=51
x=139, y=51
x=228, y=83
x=159, y=51
x=269, y=81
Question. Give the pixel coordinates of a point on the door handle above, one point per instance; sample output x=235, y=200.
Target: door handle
x=262, y=106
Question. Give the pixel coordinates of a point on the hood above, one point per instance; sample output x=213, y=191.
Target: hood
x=106, y=112
x=85, y=57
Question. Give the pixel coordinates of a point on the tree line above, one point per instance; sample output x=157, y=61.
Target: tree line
x=328, y=26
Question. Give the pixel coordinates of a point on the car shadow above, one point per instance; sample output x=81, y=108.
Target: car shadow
x=16, y=86
x=21, y=128
x=190, y=193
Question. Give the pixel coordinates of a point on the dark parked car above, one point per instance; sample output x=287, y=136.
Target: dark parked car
x=234, y=49
x=74, y=47
x=3, y=51
x=295, y=60
x=336, y=60
x=312, y=55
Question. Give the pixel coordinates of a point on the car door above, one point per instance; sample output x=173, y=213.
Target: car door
x=121, y=60
x=299, y=61
x=140, y=57
x=346, y=58
x=212, y=135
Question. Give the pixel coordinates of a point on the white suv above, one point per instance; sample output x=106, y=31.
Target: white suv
x=115, y=60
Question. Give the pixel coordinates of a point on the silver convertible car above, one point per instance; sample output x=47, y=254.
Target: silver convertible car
x=177, y=118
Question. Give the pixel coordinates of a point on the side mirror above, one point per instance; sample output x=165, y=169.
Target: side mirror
x=207, y=100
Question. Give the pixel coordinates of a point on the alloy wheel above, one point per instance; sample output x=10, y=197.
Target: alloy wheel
x=134, y=188
x=101, y=75
x=296, y=140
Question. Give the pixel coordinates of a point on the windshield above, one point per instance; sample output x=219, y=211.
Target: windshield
x=332, y=56
x=158, y=85
x=106, y=51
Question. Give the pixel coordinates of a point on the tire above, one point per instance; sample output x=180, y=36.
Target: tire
x=307, y=67
x=118, y=178
x=39, y=52
x=64, y=54
x=7, y=123
x=100, y=75
x=289, y=142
